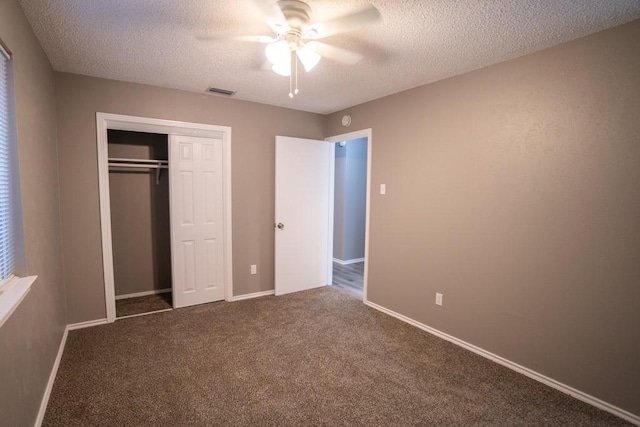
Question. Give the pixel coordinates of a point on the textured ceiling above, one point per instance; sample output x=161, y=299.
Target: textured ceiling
x=416, y=42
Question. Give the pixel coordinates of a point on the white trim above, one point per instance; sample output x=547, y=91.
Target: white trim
x=144, y=314
x=12, y=293
x=105, y=215
x=5, y=51
x=330, y=213
x=143, y=294
x=594, y=401
x=168, y=127
x=52, y=378
x=349, y=261
x=105, y=121
x=253, y=295
x=227, y=217
x=364, y=133
x=89, y=324
x=56, y=365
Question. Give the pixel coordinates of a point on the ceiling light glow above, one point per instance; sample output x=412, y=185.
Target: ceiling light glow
x=308, y=58
x=284, y=55
x=278, y=53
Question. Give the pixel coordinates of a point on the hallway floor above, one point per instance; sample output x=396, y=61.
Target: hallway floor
x=349, y=277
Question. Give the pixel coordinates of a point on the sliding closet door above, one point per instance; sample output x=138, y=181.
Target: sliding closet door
x=195, y=175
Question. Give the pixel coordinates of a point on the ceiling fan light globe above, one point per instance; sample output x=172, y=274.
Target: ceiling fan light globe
x=311, y=33
x=282, y=69
x=308, y=58
x=278, y=53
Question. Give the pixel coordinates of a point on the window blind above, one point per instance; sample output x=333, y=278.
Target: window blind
x=6, y=209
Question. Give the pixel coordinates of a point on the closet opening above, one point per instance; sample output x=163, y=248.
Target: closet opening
x=140, y=221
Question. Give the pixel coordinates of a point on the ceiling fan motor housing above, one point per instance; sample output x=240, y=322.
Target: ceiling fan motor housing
x=296, y=12
x=293, y=39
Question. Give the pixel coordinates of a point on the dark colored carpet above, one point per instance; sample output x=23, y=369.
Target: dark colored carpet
x=318, y=357
x=146, y=304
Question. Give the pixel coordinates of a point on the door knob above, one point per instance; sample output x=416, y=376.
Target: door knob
x=280, y=226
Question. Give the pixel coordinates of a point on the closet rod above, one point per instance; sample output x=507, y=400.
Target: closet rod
x=118, y=162
x=132, y=165
x=121, y=160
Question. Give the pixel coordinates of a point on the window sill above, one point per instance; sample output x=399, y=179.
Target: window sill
x=12, y=294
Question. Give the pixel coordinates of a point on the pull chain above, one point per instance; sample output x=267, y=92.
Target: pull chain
x=291, y=79
x=295, y=58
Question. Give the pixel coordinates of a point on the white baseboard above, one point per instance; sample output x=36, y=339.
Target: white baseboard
x=143, y=294
x=52, y=378
x=349, y=261
x=144, y=314
x=253, y=295
x=88, y=324
x=56, y=364
x=594, y=401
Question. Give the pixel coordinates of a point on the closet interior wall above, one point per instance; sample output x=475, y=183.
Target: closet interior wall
x=139, y=215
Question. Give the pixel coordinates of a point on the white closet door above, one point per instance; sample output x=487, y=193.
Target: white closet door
x=195, y=176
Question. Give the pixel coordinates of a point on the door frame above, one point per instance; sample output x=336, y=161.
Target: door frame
x=364, y=133
x=106, y=121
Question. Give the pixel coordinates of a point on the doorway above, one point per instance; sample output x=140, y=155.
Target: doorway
x=351, y=205
x=194, y=146
x=304, y=212
x=350, y=198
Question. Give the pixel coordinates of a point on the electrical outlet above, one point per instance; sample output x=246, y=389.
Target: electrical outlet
x=438, y=298
x=254, y=269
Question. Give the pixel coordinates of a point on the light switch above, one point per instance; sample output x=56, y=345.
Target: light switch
x=383, y=189
x=254, y=269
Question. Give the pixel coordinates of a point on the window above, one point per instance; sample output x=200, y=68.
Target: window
x=7, y=259
x=13, y=289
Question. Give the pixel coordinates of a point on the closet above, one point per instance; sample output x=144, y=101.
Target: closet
x=165, y=213
x=140, y=221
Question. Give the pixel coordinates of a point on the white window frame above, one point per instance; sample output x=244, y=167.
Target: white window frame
x=13, y=289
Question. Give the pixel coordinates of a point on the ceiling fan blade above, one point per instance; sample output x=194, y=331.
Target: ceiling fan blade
x=272, y=14
x=344, y=23
x=333, y=53
x=242, y=38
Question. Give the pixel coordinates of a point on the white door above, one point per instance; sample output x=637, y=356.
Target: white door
x=195, y=177
x=304, y=190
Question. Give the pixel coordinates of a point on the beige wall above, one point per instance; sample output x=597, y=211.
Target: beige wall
x=254, y=127
x=514, y=190
x=140, y=228
x=30, y=338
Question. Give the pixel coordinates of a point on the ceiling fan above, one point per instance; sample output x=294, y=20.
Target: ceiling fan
x=297, y=37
